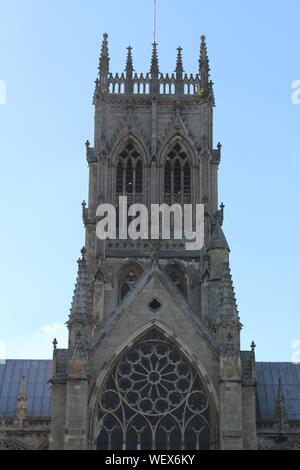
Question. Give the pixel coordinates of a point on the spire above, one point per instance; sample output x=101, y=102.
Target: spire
x=80, y=310
x=129, y=72
x=104, y=64
x=204, y=66
x=22, y=404
x=228, y=308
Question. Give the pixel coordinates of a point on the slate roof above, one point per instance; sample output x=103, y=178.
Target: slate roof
x=37, y=374
x=268, y=375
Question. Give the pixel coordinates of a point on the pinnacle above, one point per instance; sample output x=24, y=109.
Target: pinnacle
x=154, y=59
x=218, y=239
x=204, y=64
x=80, y=308
x=179, y=63
x=228, y=302
x=104, y=57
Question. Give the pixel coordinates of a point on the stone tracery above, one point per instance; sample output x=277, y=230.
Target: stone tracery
x=153, y=399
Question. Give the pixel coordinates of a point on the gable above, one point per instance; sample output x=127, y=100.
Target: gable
x=174, y=315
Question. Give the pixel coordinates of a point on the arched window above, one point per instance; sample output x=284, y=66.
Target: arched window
x=177, y=276
x=177, y=176
x=154, y=399
x=129, y=172
x=128, y=279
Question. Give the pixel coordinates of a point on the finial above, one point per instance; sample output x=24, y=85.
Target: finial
x=129, y=63
x=104, y=51
x=154, y=86
x=55, y=343
x=219, y=215
x=154, y=60
x=203, y=52
x=179, y=75
x=219, y=146
x=129, y=72
x=83, y=252
x=105, y=45
x=104, y=63
x=253, y=347
x=204, y=65
x=179, y=64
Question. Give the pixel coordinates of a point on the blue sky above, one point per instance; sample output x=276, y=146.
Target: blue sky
x=49, y=51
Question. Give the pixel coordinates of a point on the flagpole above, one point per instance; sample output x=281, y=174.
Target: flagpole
x=154, y=21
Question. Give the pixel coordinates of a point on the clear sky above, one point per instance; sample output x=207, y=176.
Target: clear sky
x=49, y=51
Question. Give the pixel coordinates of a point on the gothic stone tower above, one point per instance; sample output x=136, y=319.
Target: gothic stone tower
x=154, y=359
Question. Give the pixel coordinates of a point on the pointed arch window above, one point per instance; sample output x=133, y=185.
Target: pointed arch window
x=178, y=278
x=129, y=172
x=177, y=176
x=128, y=279
x=154, y=399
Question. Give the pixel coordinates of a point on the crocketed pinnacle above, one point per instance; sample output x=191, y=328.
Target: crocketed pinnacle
x=81, y=305
x=154, y=60
x=228, y=307
x=204, y=68
x=104, y=57
x=129, y=63
x=179, y=63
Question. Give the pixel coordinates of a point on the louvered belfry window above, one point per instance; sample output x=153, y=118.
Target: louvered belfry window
x=177, y=176
x=129, y=171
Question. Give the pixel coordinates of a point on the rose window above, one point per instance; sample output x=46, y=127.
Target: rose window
x=153, y=399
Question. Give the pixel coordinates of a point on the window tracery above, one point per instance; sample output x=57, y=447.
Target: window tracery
x=177, y=176
x=153, y=399
x=129, y=171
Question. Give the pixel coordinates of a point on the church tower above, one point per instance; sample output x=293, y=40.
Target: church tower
x=154, y=358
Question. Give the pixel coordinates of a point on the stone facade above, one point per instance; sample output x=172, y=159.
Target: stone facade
x=154, y=358
x=160, y=121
